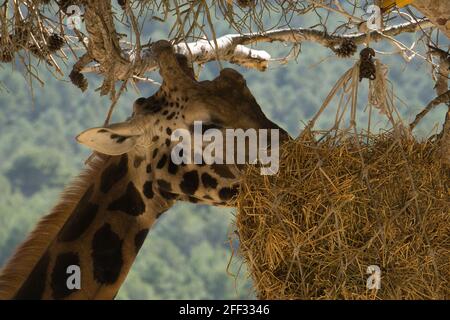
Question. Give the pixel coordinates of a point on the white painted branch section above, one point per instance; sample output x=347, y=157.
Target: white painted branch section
x=204, y=51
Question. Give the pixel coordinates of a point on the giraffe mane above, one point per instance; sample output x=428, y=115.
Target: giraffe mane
x=26, y=256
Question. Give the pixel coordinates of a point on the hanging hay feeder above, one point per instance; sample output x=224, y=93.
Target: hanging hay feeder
x=345, y=203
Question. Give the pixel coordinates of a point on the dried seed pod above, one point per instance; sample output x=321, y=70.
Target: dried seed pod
x=41, y=53
x=346, y=49
x=246, y=3
x=122, y=4
x=367, y=53
x=367, y=66
x=6, y=50
x=6, y=56
x=55, y=42
x=78, y=79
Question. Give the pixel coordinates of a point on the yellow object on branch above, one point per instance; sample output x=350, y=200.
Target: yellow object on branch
x=387, y=5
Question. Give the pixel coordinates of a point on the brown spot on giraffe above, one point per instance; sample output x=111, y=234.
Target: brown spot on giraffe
x=209, y=181
x=81, y=218
x=130, y=202
x=59, y=274
x=147, y=189
x=34, y=286
x=106, y=255
x=223, y=171
x=139, y=239
x=227, y=193
x=138, y=160
x=172, y=168
x=162, y=161
x=190, y=182
x=114, y=173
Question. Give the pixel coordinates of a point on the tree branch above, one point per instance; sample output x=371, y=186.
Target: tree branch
x=442, y=98
x=300, y=35
x=232, y=47
x=441, y=89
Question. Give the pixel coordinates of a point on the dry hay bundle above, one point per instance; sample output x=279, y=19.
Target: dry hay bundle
x=346, y=203
x=341, y=204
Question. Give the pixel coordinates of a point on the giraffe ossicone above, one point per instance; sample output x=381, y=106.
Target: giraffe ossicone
x=104, y=216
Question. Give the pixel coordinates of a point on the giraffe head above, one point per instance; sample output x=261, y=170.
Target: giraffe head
x=103, y=218
x=223, y=103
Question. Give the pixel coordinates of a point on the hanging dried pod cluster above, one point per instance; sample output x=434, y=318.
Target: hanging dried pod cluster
x=345, y=49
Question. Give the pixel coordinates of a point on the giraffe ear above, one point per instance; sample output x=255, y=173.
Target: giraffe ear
x=111, y=140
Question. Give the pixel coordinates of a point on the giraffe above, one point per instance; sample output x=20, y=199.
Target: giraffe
x=104, y=216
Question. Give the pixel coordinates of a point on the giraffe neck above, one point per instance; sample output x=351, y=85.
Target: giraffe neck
x=99, y=226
